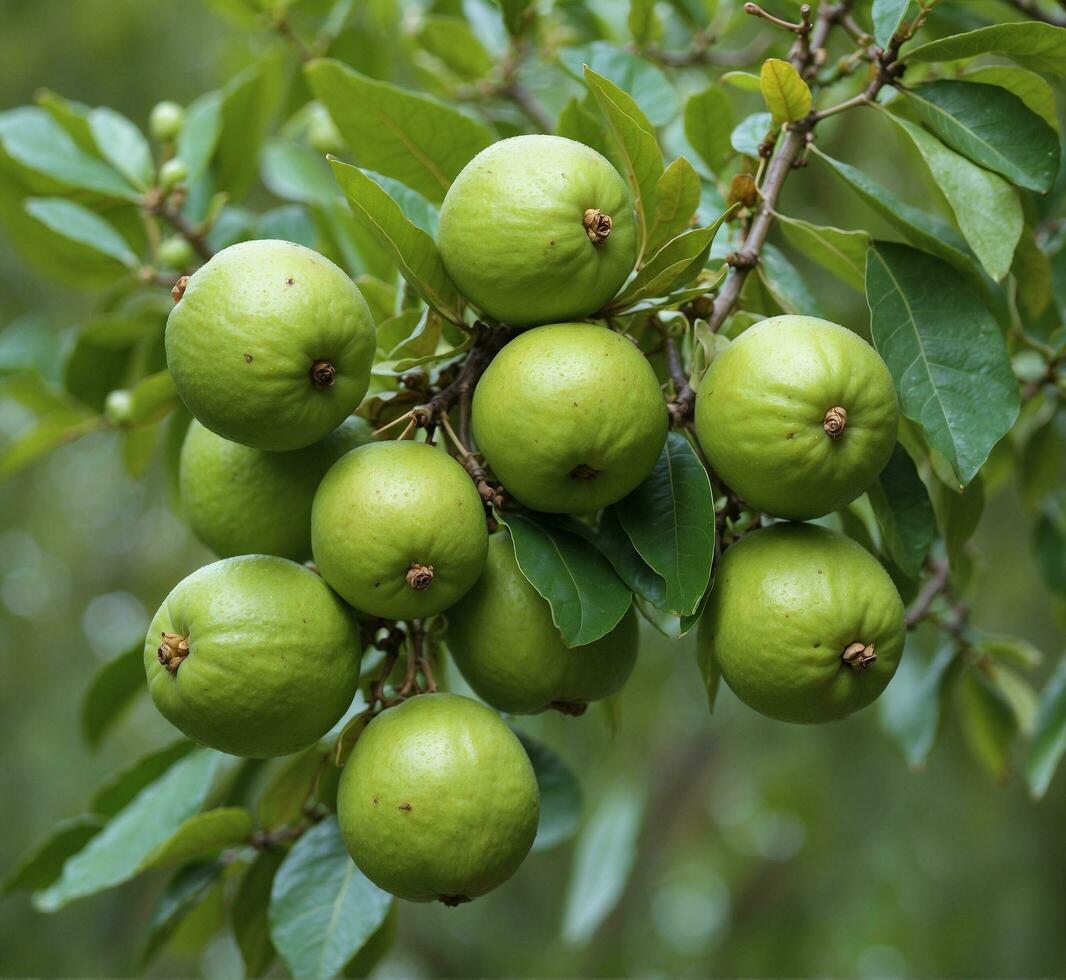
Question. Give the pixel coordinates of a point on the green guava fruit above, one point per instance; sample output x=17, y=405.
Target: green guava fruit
x=502, y=638
x=538, y=229
x=244, y=501
x=804, y=624
x=398, y=530
x=570, y=417
x=254, y=656
x=438, y=800
x=798, y=416
x=270, y=345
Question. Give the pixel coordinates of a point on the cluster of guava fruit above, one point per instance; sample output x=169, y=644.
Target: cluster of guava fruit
x=271, y=347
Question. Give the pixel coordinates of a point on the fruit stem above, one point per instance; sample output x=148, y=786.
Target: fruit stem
x=859, y=656
x=597, y=225
x=835, y=420
x=584, y=472
x=172, y=651
x=323, y=374
x=419, y=577
x=178, y=289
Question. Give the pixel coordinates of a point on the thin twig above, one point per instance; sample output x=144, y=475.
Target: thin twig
x=934, y=587
x=192, y=235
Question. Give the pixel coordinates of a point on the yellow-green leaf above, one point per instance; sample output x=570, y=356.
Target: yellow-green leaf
x=787, y=96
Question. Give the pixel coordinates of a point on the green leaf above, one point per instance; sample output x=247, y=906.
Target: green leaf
x=603, y=859
x=103, y=350
x=787, y=96
x=708, y=123
x=123, y=787
x=249, y=103
x=35, y=141
x=912, y=707
x=1010, y=649
x=992, y=127
x=636, y=145
x=887, y=16
x=1041, y=47
x=412, y=249
x=904, y=513
x=1043, y=461
x=152, y=398
x=1049, y=543
x=986, y=206
x=187, y=892
x=670, y=520
x=1049, y=734
x=122, y=145
x=612, y=540
x=79, y=224
x=750, y=132
x=412, y=138
x=576, y=122
x=958, y=513
x=786, y=284
x=322, y=908
x=116, y=853
x=203, y=835
x=112, y=689
x=945, y=353
x=642, y=22
x=1033, y=90
x=297, y=173
x=42, y=865
x=251, y=927
x=587, y=598
x=743, y=80
x=988, y=723
x=645, y=82
x=292, y=787
x=452, y=41
x=198, y=138
x=842, y=252
x=517, y=15
x=560, y=794
x=675, y=265
x=677, y=195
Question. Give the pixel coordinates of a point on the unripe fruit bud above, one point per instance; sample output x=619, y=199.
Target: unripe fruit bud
x=166, y=121
x=118, y=408
x=176, y=253
x=172, y=173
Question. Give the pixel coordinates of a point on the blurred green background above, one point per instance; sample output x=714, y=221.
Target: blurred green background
x=766, y=849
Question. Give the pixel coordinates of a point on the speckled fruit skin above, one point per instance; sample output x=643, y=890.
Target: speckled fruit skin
x=244, y=501
x=567, y=396
x=501, y=636
x=760, y=410
x=273, y=657
x=512, y=232
x=787, y=601
x=438, y=800
x=386, y=506
x=242, y=340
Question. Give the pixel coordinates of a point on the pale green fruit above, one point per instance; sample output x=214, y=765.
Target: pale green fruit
x=798, y=416
x=501, y=636
x=176, y=253
x=538, y=229
x=271, y=345
x=438, y=800
x=172, y=173
x=398, y=529
x=254, y=656
x=166, y=121
x=244, y=501
x=804, y=624
x=570, y=417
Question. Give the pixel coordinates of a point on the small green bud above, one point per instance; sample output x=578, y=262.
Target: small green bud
x=118, y=407
x=166, y=120
x=172, y=173
x=176, y=253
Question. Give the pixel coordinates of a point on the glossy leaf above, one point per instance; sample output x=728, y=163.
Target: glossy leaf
x=645, y=82
x=992, y=127
x=80, y=225
x=787, y=96
x=958, y=512
x=708, y=123
x=587, y=598
x=112, y=689
x=410, y=137
x=677, y=195
x=44, y=863
x=249, y=102
x=203, y=835
x=292, y=787
x=1033, y=90
x=185, y=895
x=122, y=788
x=116, y=853
x=198, y=139
x=670, y=520
x=786, y=284
x=750, y=132
x=251, y=927
x=452, y=41
x=1039, y=46
x=887, y=16
x=904, y=513
x=1049, y=734
x=577, y=122
x=912, y=707
x=612, y=540
x=123, y=145
x=945, y=353
x=412, y=249
x=841, y=252
x=560, y=794
x=988, y=723
x=322, y=908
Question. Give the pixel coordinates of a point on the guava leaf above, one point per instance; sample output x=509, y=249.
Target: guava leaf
x=988, y=723
x=958, y=512
x=677, y=195
x=251, y=927
x=122, y=145
x=644, y=81
x=708, y=123
x=453, y=41
x=44, y=863
x=123, y=787
x=887, y=15
x=945, y=353
x=612, y=540
x=903, y=512
x=1049, y=733
x=670, y=520
x=198, y=139
x=283, y=798
x=1039, y=46
x=322, y=908
x=842, y=252
x=83, y=227
x=116, y=853
x=992, y=127
x=786, y=285
x=560, y=794
x=410, y=137
x=517, y=15
x=750, y=132
x=1033, y=90
x=203, y=835
x=587, y=598
x=414, y=252
x=112, y=689
x=787, y=96
x=186, y=893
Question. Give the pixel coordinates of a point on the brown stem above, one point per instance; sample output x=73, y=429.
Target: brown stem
x=192, y=235
x=683, y=402
x=934, y=586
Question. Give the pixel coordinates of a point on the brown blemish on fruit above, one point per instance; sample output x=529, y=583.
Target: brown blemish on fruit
x=290, y=281
x=835, y=420
x=172, y=651
x=376, y=801
x=859, y=656
x=597, y=225
x=419, y=576
x=404, y=806
x=323, y=375
x=248, y=358
x=584, y=472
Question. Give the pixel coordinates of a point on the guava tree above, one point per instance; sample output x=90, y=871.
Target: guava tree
x=475, y=339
